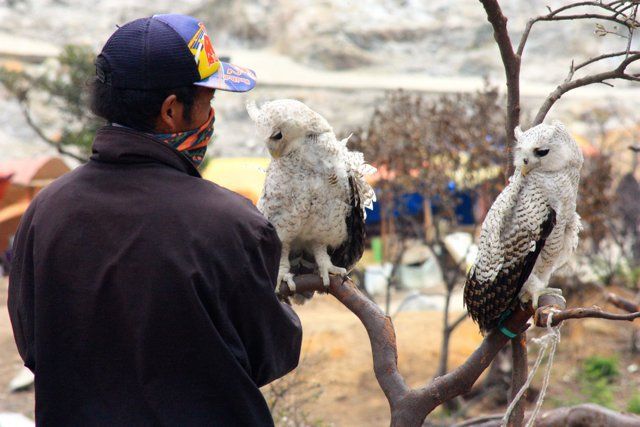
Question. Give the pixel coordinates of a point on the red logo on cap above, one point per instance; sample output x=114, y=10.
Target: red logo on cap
x=208, y=49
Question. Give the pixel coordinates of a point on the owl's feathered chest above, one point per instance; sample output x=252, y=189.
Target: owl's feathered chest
x=559, y=191
x=307, y=201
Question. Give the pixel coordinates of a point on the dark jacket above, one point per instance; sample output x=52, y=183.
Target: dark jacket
x=143, y=295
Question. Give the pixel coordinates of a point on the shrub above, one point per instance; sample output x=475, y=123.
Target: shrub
x=634, y=404
x=597, y=368
x=596, y=376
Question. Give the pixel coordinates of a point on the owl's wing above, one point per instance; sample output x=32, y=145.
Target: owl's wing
x=361, y=197
x=351, y=250
x=494, y=282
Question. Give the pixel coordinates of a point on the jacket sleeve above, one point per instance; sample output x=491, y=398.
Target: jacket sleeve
x=21, y=289
x=269, y=329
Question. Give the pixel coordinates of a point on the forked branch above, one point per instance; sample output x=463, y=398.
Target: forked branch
x=409, y=407
x=620, y=72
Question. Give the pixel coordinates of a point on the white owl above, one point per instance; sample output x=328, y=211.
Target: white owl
x=531, y=229
x=315, y=192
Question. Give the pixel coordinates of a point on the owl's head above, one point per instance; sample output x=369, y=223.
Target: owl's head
x=547, y=148
x=285, y=124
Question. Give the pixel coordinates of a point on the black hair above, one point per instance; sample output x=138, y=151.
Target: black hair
x=137, y=109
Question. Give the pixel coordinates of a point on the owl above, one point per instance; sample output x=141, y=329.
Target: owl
x=531, y=229
x=315, y=192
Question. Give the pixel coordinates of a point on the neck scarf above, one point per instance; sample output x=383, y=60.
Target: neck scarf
x=191, y=143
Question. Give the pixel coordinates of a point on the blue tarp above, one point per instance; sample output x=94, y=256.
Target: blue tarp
x=413, y=203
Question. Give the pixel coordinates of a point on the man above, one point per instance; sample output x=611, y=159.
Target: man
x=140, y=293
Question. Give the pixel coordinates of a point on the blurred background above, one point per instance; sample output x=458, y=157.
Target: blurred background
x=420, y=85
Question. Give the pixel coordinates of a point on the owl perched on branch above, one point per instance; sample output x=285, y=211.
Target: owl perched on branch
x=531, y=229
x=315, y=192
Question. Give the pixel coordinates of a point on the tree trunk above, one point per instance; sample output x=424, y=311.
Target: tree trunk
x=519, y=375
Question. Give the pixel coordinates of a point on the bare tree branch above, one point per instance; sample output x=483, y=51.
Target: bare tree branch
x=580, y=313
x=617, y=9
x=582, y=16
x=554, y=15
x=457, y=322
x=601, y=57
x=631, y=29
x=622, y=303
x=618, y=73
x=56, y=144
x=409, y=407
x=511, y=62
x=587, y=414
x=519, y=376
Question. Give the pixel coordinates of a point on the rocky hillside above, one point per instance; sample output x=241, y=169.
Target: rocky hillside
x=385, y=38
x=438, y=37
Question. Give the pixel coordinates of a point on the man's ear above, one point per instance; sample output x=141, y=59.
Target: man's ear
x=170, y=119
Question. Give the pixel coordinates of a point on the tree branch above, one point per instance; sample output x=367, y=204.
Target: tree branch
x=601, y=57
x=56, y=144
x=409, y=407
x=622, y=303
x=587, y=414
x=457, y=322
x=553, y=15
x=618, y=73
x=519, y=376
x=511, y=62
x=579, y=313
x=617, y=8
x=582, y=16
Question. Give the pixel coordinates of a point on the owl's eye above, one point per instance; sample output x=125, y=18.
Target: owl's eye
x=276, y=136
x=541, y=152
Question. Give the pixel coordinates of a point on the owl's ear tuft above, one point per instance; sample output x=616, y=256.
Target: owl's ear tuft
x=518, y=133
x=548, y=133
x=559, y=125
x=254, y=112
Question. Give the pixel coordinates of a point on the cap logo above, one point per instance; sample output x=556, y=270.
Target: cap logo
x=202, y=49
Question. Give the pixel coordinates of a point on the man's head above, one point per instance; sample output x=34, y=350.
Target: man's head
x=159, y=74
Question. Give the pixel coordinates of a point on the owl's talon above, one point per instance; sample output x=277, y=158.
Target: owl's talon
x=285, y=276
x=290, y=282
x=535, y=296
x=338, y=271
x=325, y=279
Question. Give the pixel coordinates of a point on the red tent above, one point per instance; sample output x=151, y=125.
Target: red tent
x=20, y=181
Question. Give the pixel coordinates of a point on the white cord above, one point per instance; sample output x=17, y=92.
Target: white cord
x=550, y=339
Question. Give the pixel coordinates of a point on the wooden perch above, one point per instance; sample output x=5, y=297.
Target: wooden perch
x=409, y=407
x=559, y=316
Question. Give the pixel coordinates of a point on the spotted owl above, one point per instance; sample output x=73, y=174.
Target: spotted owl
x=531, y=229
x=315, y=192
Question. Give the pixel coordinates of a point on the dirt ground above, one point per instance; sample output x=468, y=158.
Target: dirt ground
x=10, y=363
x=336, y=362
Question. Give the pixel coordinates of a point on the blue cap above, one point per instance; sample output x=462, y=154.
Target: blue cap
x=167, y=51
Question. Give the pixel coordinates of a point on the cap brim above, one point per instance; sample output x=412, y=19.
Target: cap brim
x=229, y=77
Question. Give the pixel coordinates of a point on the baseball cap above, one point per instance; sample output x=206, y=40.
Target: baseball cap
x=167, y=51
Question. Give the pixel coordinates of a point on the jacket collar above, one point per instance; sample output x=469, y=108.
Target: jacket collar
x=115, y=144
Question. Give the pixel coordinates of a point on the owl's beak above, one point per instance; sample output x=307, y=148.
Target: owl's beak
x=524, y=170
